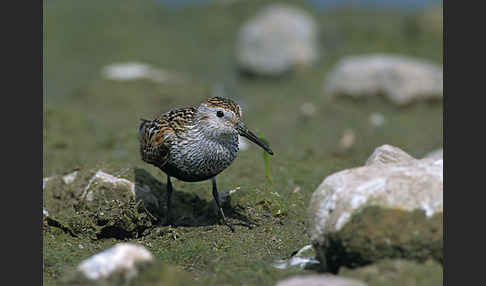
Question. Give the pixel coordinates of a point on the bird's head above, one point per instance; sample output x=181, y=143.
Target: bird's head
x=222, y=117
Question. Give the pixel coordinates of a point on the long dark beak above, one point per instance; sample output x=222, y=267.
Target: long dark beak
x=245, y=132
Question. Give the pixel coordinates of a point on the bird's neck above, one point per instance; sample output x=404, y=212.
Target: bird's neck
x=210, y=140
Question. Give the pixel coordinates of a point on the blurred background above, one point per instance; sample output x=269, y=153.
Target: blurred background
x=109, y=63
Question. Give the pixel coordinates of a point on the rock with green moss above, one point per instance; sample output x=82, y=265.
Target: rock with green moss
x=398, y=272
x=376, y=233
x=381, y=210
x=97, y=205
x=104, y=187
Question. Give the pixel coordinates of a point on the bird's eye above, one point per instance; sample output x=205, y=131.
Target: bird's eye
x=220, y=113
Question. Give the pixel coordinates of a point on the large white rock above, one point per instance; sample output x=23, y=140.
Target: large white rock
x=320, y=280
x=122, y=258
x=399, y=78
x=391, y=179
x=277, y=39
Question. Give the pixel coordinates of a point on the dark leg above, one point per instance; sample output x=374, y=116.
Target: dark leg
x=216, y=199
x=169, y=195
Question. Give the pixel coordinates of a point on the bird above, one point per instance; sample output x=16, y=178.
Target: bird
x=195, y=143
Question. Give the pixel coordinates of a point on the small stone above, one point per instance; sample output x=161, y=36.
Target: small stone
x=306, y=251
x=308, y=109
x=118, y=187
x=136, y=71
x=320, y=280
x=377, y=119
x=122, y=258
x=347, y=139
x=303, y=258
x=68, y=179
x=126, y=71
x=44, y=182
x=278, y=39
x=401, y=79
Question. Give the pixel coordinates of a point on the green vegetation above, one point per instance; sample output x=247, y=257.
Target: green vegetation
x=90, y=123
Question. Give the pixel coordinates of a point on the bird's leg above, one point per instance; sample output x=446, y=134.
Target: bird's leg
x=216, y=199
x=169, y=195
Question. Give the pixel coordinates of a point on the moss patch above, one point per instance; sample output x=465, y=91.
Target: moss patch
x=376, y=233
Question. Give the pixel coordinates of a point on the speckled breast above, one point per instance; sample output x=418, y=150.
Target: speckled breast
x=199, y=160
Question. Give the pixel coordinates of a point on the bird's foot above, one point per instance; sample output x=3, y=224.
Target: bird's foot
x=230, y=225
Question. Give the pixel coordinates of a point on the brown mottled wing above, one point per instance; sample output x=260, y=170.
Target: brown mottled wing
x=155, y=135
x=153, y=148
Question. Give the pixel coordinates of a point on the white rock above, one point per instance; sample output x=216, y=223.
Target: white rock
x=126, y=71
x=44, y=182
x=136, y=71
x=308, y=108
x=277, y=39
x=401, y=79
x=107, y=179
x=68, y=179
x=377, y=119
x=388, y=154
x=301, y=262
x=320, y=280
x=122, y=258
x=391, y=179
x=45, y=212
x=303, y=258
x=347, y=139
x=140, y=192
